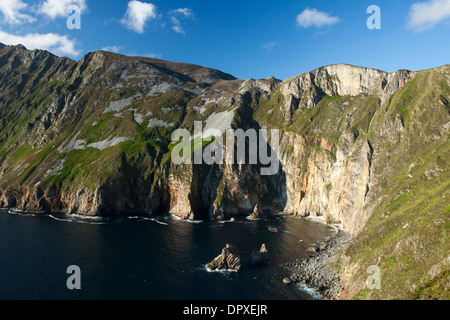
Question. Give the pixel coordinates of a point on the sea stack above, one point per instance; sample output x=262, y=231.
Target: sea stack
x=257, y=214
x=229, y=259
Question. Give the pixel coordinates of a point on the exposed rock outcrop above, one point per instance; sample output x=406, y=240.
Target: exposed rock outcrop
x=306, y=90
x=229, y=260
x=322, y=186
x=256, y=214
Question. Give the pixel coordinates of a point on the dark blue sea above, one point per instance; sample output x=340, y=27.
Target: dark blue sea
x=148, y=257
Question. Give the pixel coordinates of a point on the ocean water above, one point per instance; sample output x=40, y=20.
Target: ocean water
x=148, y=257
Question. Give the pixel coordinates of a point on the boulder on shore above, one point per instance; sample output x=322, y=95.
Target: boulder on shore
x=229, y=259
x=312, y=250
x=259, y=257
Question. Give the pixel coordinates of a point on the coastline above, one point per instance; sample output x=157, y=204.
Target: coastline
x=315, y=273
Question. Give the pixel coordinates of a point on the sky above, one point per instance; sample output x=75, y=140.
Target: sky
x=248, y=39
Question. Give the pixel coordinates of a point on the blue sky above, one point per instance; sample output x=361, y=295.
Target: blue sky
x=249, y=39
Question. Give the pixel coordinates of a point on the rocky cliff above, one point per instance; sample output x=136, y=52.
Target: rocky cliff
x=360, y=147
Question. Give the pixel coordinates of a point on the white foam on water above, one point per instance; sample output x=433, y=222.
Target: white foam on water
x=89, y=222
x=308, y=290
x=79, y=216
x=74, y=218
x=59, y=219
x=17, y=212
x=230, y=221
x=155, y=220
x=193, y=221
x=336, y=228
x=174, y=217
x=133, y=217
x=227, y=271
x=321, y=220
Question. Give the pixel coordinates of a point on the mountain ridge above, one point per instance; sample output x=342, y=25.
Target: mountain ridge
x=162, y=61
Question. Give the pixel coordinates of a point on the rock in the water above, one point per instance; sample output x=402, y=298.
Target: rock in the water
x=229, y=259
x=257, y=214
x=259, y=257
x=286, y=281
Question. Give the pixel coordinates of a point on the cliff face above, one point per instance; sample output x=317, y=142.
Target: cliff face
x=332, y=186
x=307, y=90
x=357, y=146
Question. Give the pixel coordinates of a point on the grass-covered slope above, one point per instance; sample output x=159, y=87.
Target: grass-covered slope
x=79, y=126
x=407, y=235
x=407, y=232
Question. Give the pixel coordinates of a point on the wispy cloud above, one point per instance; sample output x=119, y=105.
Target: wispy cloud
x=187, y=12
x=12, y=11
x=137, y=15
x=270, y=45
x=124, y=51
x=56, y=43
x=58, y=8
x=115, y=49
x=151, y=55
x=176, y=16
x=426, y=15
x=313, y=18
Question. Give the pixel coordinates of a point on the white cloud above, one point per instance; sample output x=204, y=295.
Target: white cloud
x=137, y=15
x=58, y=8
x=187, y=12
x=122, y=50
x=144, y=55
x=426, y=15
x=177, y=15
x=152, y=55
x=11, y=10
x=313, y=18
x=115, y=49
x=177, y=27
x=58, y=44
x=270, y=45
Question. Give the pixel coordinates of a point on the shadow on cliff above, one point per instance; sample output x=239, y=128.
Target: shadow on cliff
x=225, y=191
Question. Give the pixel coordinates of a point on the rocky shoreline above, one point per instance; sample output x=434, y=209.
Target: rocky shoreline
x=315, y=272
